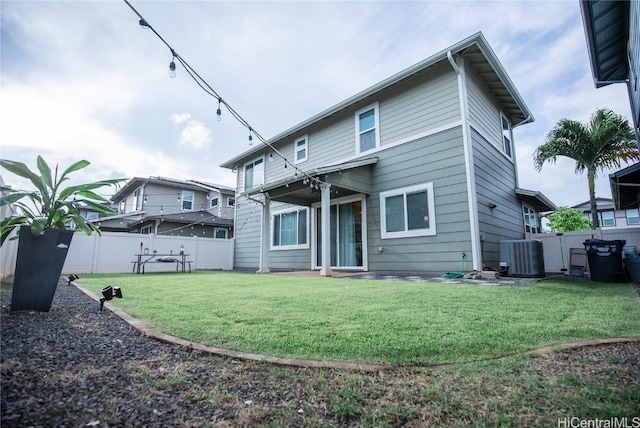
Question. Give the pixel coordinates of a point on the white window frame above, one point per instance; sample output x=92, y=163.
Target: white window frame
x=183, y=199
x=376, y=115
x=215, y=201
x=244, y=173
x=304, y=147
x=146, y=230
x=430, y=231
x=508, y=134
x=217, y=229
x=636, y=216
x=601, y=215
x=136, y=199
x=295, y=246
x=231, y=202
x=527, y=227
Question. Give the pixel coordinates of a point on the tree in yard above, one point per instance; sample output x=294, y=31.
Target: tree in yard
x=602, y=143
x=566, y=219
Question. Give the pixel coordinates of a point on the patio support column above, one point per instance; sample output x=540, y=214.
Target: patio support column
x=264, y=240
x=325, y=205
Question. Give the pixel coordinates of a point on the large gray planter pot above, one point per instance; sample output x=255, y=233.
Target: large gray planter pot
x=38, y=267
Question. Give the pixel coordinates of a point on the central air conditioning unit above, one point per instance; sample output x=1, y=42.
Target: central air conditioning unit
x=522, y=258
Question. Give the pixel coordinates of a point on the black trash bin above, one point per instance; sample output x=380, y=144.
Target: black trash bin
x=605, y=260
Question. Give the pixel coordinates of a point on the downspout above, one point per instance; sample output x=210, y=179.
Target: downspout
x=515, y=161
x=474, y=224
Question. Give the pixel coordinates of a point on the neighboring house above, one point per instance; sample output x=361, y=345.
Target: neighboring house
x=612, y=30
x=608, y=215
x=166, y=206
x=416, y=173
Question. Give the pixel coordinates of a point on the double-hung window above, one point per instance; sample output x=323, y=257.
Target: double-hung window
x=367, y=129
x=214, y=202
x=254, y=174
x=301, y=149
x=506, y=136
x=607, y=219
x=289, y=229
x=632, y=216
x=408, y=212
x=187, y=200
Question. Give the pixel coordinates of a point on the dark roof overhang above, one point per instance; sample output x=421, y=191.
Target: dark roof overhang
x=625, y=187
x=536, y=199
x=606, y=25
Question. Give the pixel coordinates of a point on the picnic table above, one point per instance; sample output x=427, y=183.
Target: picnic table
x=144, y=259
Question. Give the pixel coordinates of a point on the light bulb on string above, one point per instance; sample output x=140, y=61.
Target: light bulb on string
x=219, y=111
x=250, y=137
x=172, y=69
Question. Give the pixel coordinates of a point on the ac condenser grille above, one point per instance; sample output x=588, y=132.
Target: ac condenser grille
x=523, y=258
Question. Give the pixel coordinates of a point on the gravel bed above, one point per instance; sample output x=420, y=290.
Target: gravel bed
x=76, y=366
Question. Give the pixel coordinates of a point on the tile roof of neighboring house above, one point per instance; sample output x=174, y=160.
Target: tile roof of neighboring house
x=479, y=55
x=191, y=217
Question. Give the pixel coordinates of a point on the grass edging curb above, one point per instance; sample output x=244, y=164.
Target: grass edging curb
x=166, y=338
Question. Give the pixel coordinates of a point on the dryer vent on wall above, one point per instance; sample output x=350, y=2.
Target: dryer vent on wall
x=522, y=258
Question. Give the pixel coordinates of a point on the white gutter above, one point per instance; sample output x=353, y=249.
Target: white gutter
x=474, y=224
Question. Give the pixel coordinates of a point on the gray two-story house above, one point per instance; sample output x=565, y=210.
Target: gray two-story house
x=167, y=206
x=416, y=173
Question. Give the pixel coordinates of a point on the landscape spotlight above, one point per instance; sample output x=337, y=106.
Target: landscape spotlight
x=109, y=292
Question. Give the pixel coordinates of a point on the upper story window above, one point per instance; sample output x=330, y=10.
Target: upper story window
x=214, y=202
x=187, y=200
x=290, y=229
x=136, y=200
x=367, y=128
x=530, y=220
x=606, y=218
x=506, y=136
x=231, y=202
x=632, y=216
x=407, y=212
x=254, y=174
x=302, y=149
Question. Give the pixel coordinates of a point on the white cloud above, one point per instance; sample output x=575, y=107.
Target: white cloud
x=196, y=136
x=179, y=118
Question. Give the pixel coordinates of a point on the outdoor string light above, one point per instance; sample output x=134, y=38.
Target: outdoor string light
x=210, y=91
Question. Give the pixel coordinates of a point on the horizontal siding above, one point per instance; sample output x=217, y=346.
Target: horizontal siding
x=247, y=234
x=419, y=105
x=495, y=183
x=484, y=112
x=438, y=159
x=416, y=106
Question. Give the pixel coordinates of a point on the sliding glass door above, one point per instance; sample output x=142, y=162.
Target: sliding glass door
x=346, y=237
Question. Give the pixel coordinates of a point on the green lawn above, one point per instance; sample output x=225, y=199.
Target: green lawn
x=391, y=322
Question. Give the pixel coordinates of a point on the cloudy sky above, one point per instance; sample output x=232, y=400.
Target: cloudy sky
x=82, y=80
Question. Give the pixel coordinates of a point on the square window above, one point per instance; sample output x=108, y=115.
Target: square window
x=289, y=229
x=408, y=212
x=220, y=233
x=607, y=219
x=633, y=217
x=214, y=202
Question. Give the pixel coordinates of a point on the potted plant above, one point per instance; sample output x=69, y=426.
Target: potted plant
x=46, y=219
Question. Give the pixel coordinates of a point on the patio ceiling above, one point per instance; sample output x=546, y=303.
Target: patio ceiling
x=346, y=179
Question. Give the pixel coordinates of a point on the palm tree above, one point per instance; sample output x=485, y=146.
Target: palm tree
x=602, y=143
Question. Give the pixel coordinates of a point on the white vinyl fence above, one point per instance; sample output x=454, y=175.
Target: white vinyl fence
x=556, y=246
x=114, y=252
